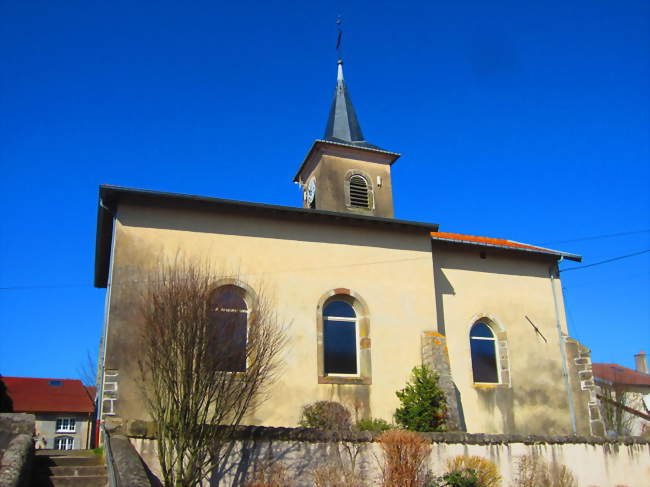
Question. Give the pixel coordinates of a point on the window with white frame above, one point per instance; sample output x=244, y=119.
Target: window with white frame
x=63, y=443
x=341, y=339
x=483, y=346
x=66, y=425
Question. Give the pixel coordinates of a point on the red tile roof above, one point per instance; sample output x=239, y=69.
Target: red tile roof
x=617, y=374
x=499, y=242
x=30, y=395
x=92, y=392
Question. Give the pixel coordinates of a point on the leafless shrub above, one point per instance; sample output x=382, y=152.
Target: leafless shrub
x=405, y=453
x=202, y=367
x=533, y=471
x=331, y=475
x=271, y=475
x=326, y=415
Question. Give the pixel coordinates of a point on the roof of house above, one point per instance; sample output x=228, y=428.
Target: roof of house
x=617, y=374
x=31, y=395
x=92, y=392
x=500, y=243
x=111, y=196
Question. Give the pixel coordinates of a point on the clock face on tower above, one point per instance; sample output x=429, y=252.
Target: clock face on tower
x=311, y=191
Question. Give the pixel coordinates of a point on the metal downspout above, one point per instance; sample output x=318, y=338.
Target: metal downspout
x=107, y=303
x=565, y=370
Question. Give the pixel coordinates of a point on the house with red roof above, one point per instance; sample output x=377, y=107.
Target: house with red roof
x=64, y=410
x=625, y=396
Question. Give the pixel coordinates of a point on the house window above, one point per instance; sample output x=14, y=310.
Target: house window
x=228, y=334
x=341, y=337
x=63, y=443
x=66, y=425
x=359, y=192
x=484, y=354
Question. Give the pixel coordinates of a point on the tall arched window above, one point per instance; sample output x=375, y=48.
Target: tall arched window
x=359, y=192
x=341, y=337
x=229, y=321
x=484, y=353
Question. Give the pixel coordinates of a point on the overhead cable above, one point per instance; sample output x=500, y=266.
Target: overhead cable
x=597, y=237
x=605, y=261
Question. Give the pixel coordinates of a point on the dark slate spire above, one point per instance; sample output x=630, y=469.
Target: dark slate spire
x=343, y=126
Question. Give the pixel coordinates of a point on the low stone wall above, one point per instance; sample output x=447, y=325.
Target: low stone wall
x=16, y=449
x=595, y=462
x=129, y=469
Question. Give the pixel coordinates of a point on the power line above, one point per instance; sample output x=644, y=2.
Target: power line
x=605, y=261
x=288, y=270
x=314, y=268
x=597, y=237
x=593, y=282
x=62, y=286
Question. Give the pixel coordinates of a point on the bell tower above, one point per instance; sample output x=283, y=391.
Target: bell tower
x=342, y=172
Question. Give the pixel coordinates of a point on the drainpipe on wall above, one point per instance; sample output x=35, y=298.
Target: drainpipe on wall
x=565, y=370
x=107, y=302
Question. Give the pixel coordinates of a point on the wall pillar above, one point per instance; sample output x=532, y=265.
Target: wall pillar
x=588, y=418
x=436, y=356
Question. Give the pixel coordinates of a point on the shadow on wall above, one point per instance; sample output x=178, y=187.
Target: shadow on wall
x=529, y=398
x=441, y=286
x=298, y=230
x=6, y=404
x=492, y=260
x=461, y=413
x=240, y=461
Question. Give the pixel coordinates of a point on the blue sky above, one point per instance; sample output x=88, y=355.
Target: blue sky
x=523, y=120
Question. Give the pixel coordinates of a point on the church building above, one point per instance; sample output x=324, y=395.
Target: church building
x=365, y=296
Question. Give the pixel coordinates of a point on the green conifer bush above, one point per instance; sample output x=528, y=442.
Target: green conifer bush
x=424, y=407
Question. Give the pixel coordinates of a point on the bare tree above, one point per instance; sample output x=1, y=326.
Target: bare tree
x=88, y=371
x=208, y=356
x=616, y=419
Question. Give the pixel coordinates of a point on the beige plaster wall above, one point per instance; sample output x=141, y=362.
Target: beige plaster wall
x=330, y=173
x=505, y=288
x=395, y=275
x=45, y=427
x=299, y=262
x=593, y=465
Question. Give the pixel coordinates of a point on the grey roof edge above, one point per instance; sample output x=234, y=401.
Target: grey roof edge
x=110, y=196
x=395, y=155
x=539, y=250
x=103, y=242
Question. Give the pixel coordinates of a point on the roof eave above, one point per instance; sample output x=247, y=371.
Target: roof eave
x=557, y=254
x=103, y=239
x=392, y=155
x=110, y=196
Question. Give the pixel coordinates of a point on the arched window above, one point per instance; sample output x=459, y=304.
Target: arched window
x=484, y=353
x=341, y=337
x=229, y=322
x=359, y=192
x=63, y=443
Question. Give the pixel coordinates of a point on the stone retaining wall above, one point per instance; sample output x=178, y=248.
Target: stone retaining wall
x=595, y=461
x=16, y=449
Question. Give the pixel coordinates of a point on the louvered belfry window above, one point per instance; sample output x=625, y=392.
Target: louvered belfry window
x=359, y=197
